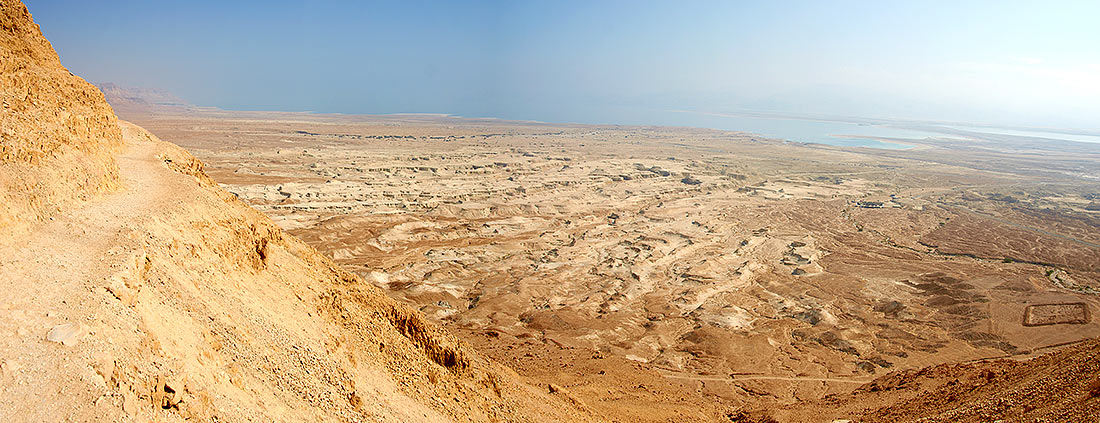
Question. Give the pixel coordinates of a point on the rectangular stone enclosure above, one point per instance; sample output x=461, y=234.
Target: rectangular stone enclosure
x=1053, y=314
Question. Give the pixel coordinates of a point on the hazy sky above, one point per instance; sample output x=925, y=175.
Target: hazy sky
x=1025, y=63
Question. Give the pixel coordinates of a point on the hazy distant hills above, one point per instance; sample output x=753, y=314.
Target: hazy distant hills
x=125, y=99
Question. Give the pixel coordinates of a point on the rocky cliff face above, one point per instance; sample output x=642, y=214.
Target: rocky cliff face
x=137, y=289
x=57, y=135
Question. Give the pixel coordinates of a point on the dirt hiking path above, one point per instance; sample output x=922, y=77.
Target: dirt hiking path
x=46, y=279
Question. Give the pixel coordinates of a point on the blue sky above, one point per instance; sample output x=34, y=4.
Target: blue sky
x=1021, y=63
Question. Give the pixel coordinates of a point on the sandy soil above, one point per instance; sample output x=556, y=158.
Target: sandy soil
x=1062, y=386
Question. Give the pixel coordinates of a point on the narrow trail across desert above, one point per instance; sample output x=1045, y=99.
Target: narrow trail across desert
x=47, y=274
x=691, y=376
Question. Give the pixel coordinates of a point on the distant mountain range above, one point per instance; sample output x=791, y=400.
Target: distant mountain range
x=131, y=98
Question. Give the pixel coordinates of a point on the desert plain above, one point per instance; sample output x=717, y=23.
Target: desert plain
x=700, y=270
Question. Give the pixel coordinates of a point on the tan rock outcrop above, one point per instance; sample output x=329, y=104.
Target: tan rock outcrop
x=57, y=134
